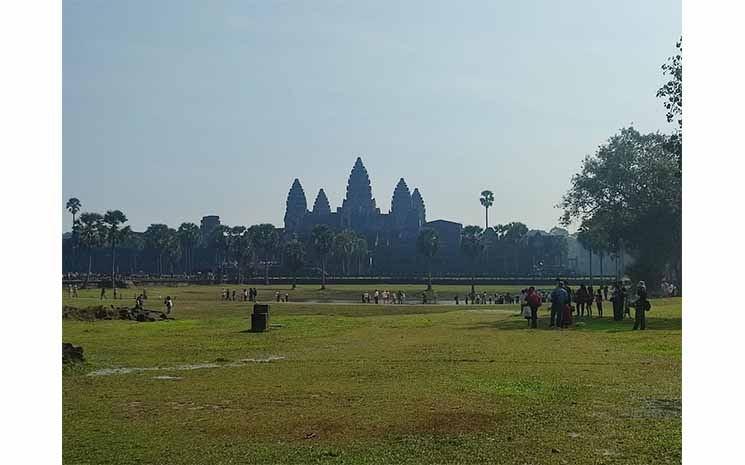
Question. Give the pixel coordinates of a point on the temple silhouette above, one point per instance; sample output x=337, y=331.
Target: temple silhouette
x=391, y=236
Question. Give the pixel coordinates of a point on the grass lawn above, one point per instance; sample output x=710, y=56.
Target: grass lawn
x=353, y=383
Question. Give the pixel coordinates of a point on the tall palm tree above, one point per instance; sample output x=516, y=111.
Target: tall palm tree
x=360, y=252
x=427, y=244
x=156, y=238
x=322, y=240
x=92, y=235
x=219, y=241
x=241, y=248
x=188, y=236
x=471, y=245
x=264, y=238
x=294, y=258
x=344, y=247
x=115, y=234
x=487, y=200
x=73, y=206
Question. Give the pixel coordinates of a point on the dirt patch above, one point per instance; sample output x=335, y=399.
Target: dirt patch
x=101, y=312
x=453, y=422
x=196, y=366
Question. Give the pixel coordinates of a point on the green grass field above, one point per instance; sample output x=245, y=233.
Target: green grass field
x=352, y=383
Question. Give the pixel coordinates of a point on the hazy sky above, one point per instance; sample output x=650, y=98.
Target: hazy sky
x=177, y=109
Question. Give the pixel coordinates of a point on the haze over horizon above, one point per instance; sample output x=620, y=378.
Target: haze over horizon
x=173, y=110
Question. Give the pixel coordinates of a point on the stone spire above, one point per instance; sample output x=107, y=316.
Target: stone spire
x=359, y=199
x=297, y=207
x=321, y=205
x=418, y=211
x=401, y=204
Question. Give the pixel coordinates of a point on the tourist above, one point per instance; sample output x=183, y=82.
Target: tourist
x=605, y=292
x=618, y=297
x=75, y=291
x=245, y=294
x=69, y=290
x=287, y=297
x=103, y=293
x=456, y=299
x=641, y=306
x=233, y=295
x=376, y=296
x=276, y=296
x=559, y=299
x=403, y=297
x=599, y=302
x=534, y=301
x=466, y=299
x=169, y=305
x=581, y=300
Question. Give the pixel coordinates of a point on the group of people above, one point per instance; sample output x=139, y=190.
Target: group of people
x=384, y=296
x=72, y=290
x=248, y=295
x=566, y=303
x=279, y=297
x=483, y=298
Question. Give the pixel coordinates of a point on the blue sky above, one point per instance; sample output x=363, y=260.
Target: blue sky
x=177, y=109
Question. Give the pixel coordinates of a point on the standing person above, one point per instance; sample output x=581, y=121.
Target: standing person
x=276, y=295
x=169, y=304
x=75, y=291
x=641, y=307
x=534, y=301
x=233, y=299
x=456, y=299
x=376, y=296
x=581, y=298
x=69, y=290
x=287, y=297
x=559, y=298
x=618, y=298
x=599, y=303
x=605, y=292
x=103, y=293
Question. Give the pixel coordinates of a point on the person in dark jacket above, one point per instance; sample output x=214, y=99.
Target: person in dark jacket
x=559, y=299
x=582, y=299
x=534, y=301
x=599, y=302
x=641, y=306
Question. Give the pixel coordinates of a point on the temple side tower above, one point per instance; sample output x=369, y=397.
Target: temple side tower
x=297, y=206
x=400, y=205
x=418, y=215
x=321, y=205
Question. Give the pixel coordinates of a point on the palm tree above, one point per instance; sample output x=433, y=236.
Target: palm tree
x=156, y=238
x=360, y=252
x=73, y=206
x=294, y=257
x=322, y=240
x=344, y=247
x=115, y=234
x=188, y=236
x=487, y=200
x=92, y=235
x=471, y=245
x=264, y=239
x=240, y=248
x=514, y=234
x=427, y=244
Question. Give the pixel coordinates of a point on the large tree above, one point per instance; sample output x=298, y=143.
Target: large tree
x=322, y=241
x=219, y=242
x=487, y=200
x=241, y=249
x=294, y=257
x=471, y=245
x=630, y=189
x=427, y=244
x=344, y=243
x=116, y=232
x=92, y=235
x=264, y=238
x=188, y=236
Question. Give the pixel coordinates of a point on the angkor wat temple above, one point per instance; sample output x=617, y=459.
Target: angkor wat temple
x=391, y=236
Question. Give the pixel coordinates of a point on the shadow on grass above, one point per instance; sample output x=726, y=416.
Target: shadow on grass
x=590, y=324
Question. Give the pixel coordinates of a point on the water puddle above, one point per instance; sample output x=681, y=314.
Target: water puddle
x=197, y=366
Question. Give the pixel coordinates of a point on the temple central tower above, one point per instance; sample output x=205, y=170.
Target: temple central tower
x=358, y=208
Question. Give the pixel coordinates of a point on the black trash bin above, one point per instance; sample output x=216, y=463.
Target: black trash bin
x=260, y=318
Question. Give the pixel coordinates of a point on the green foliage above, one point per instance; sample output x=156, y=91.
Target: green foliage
x=427, y=243
x=471, y=243
x=293, y=254
x=629, y=194
x=73, y=206
x=672, y=91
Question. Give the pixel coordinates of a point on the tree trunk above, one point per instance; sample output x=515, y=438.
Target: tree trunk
x=323, y=273
x=113, y=268
x=590, y=267
x=487, y=217
x=294, y=280
x=90, y=265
